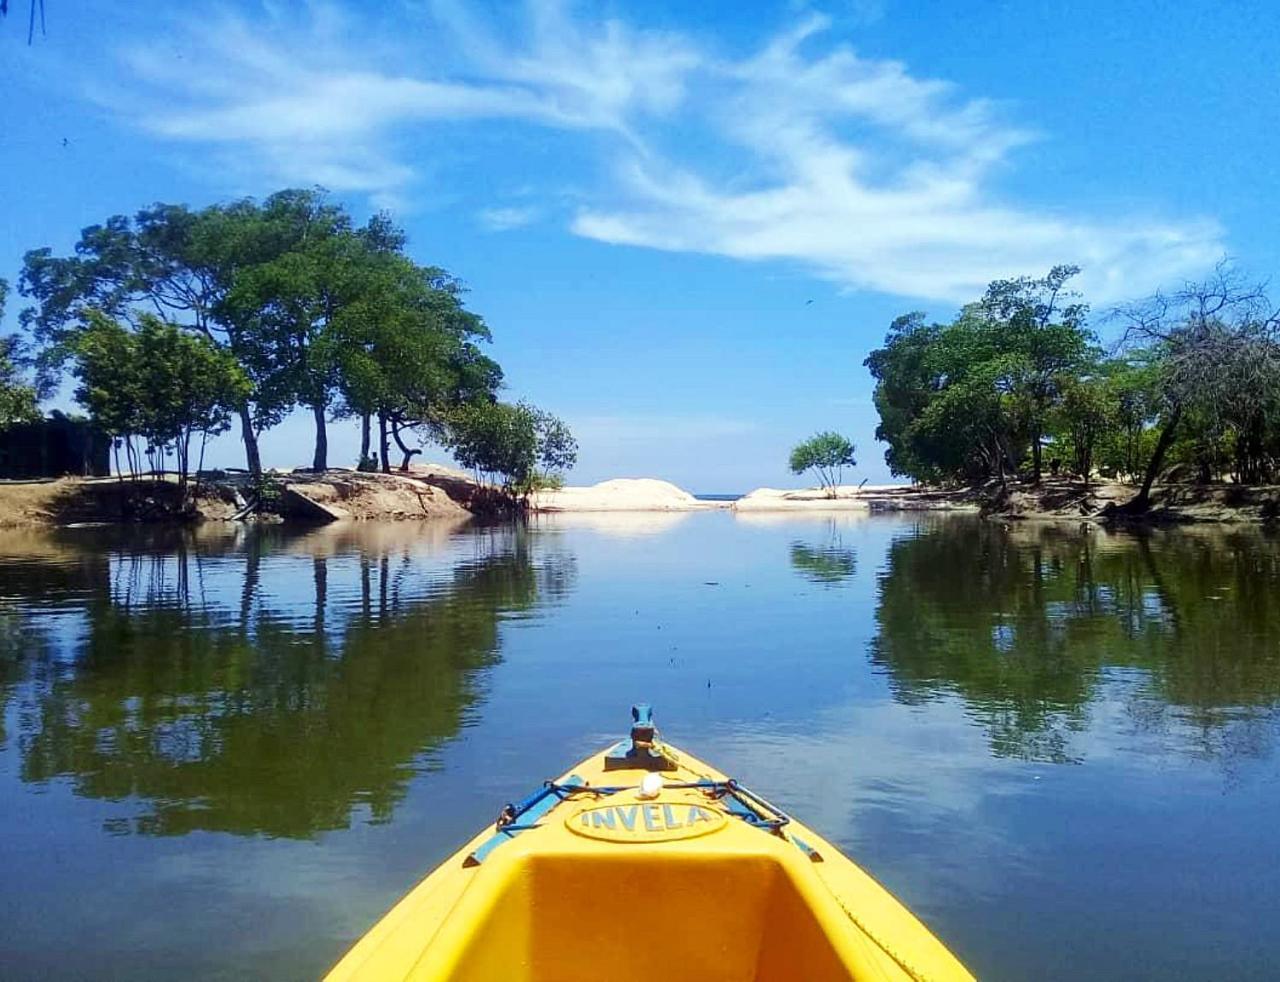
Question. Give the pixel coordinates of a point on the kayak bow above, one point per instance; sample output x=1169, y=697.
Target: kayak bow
x=645, y=863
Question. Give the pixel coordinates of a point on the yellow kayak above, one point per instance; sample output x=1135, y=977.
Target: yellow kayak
x=644, y=863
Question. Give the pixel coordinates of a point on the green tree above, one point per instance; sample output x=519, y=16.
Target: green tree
x=1125, y=446
x=1087, y=413
x=313, y=268
x=556, y=445
x=316, y=312
x=18, y=402
x=1216, y=363
x=971, y=399
x=826, y=453
x=407, y=349
x=506, y=442
x=498, y=440
x=170, y=260
x=905, y=384
x=1033, y=319
x=159, y=383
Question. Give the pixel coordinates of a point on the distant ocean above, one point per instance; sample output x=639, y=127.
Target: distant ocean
x=717, y=497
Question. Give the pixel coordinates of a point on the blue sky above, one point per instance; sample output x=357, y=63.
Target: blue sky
x=644, y=198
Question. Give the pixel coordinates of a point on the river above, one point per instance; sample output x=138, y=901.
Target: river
x=224, y=753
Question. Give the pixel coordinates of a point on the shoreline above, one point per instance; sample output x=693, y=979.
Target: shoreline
x=432, y=493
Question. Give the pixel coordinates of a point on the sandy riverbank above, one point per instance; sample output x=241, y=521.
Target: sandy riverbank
x=436, y=493
x=336, y=495
x=1054, y=499
x=622, y=494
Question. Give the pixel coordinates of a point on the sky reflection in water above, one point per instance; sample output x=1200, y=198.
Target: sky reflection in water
x=225, y=753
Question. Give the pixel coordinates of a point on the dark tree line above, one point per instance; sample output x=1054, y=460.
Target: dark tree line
x=1018, y=378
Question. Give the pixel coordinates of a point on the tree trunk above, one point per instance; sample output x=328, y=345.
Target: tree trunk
x=382, y=442
x=408, y=452
x=181, y=448
x=364, y=438
x=320, y=462
x=253, y=459
x=1036, y=451
x=1142, y=501
x=204, y=440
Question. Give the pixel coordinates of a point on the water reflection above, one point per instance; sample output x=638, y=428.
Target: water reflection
x=260, y=684
x=1034, y=626
x=828, y=561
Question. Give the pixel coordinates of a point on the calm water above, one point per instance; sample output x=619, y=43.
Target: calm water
x=225, y=754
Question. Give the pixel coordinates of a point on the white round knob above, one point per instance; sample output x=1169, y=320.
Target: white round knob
x=650, y=786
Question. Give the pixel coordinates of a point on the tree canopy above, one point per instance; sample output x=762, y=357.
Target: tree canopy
x=18, y=402
x=313, y=311
x=974, y=398
x=159, y=383
x=1194, y=379
x=516, y=446
x=827, y=454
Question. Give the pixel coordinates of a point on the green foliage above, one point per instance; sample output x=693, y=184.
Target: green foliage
x=498, y=440
x=1088, y=410
x=314, y=311
x=827, y=453
x=18, y=402
x=827, y=564
x=557, y=447
x=506, y=443
x=405, y=349
x=975, y=398
x=159, y=383
x=1198, y=384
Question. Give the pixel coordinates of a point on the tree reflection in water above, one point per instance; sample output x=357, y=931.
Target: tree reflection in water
x=263, y=684
x=829, y=561
x=1033, y=625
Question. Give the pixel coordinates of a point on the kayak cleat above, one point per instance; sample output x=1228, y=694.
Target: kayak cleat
x=645, y=751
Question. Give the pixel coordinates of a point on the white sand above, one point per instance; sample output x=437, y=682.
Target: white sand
x=847, y=497
x=621, y=494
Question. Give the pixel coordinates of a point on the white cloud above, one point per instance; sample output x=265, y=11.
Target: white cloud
x=804, y=152
x=505, y=219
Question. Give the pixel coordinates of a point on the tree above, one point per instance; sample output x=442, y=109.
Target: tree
x=159, y=383
x=311, y=267
x=169, y=261
x=1088, y=411
x=505, y=442
x=557, y=448
x=1132, y=382
x=1215, y=356
x=315, y=312
x=905, y=384
x=498, y=440
x=968, y=400
x=1031, y=319
x=827, y=453
x=18, y=401
x=407, y=349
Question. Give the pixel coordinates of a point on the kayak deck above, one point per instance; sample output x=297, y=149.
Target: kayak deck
x=611, y=873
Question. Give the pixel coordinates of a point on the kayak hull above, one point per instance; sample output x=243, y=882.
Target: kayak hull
x=601, y=878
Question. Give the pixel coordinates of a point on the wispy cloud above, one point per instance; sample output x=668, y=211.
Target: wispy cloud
x=804, y=152
x=505, y=219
